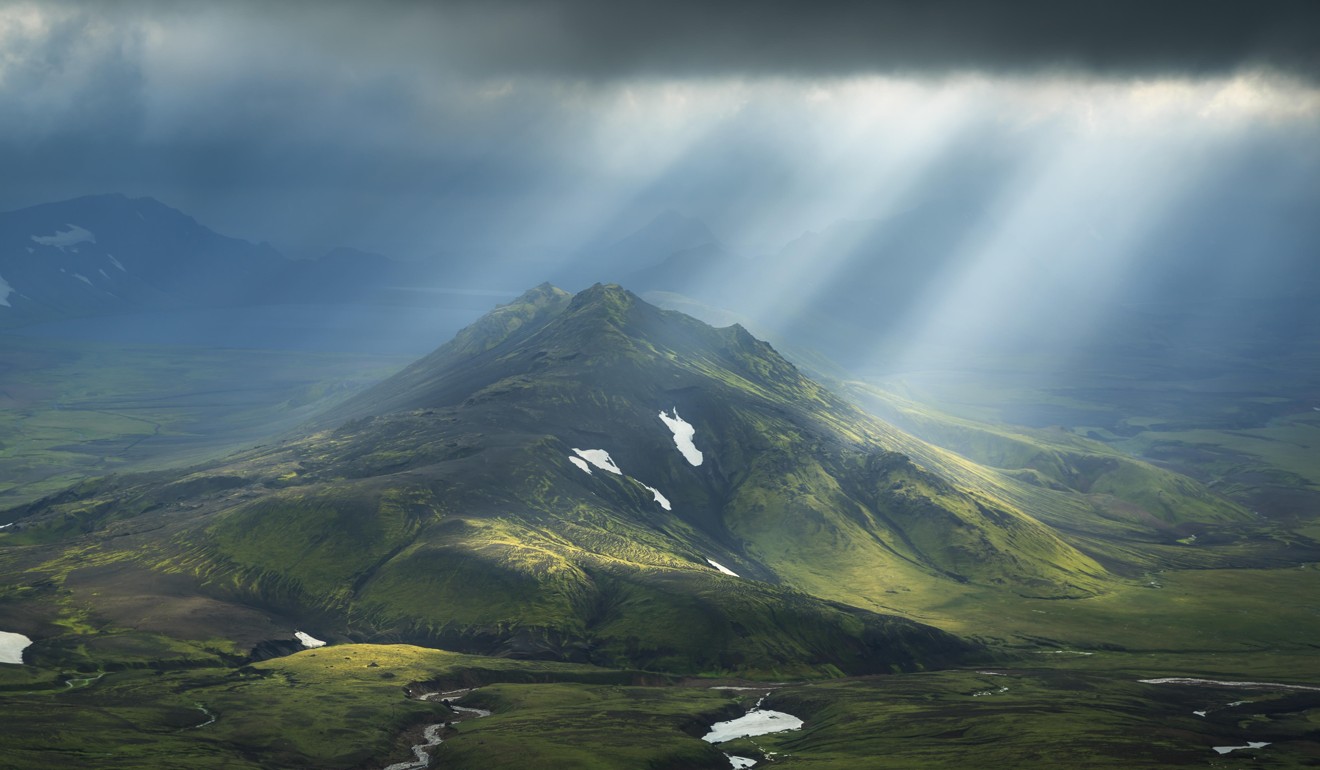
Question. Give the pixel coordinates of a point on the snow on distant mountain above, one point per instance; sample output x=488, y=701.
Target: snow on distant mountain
x=111, y=254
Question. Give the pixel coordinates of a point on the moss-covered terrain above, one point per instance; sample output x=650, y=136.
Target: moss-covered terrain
x=70, y=410
x=442, y=510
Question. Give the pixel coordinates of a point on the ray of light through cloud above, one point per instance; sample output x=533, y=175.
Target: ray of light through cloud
x=1040, y=185
x=617, y=143
x=868, y=144
x=1106, y=164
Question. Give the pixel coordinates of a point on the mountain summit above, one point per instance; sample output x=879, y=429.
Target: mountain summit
x=788, y=464
x=585, y=477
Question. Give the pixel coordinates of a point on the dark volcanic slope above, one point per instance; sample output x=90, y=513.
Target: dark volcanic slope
x=448, y=506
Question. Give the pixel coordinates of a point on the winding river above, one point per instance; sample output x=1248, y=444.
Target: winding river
x=431, y=735
x=1186, y=680
x=1221, y=683
x=757, y=721
x=210, y=717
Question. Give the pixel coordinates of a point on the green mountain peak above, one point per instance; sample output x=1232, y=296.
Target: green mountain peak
x=576, y=477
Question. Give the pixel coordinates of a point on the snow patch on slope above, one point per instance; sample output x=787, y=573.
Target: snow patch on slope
x=683, y=435
x=753, y=723
x=1250, y=745
x=62, y=239
x=659, y=498
x=308, y=641
x=721, y=567
x=12, y=646
x=599, y=458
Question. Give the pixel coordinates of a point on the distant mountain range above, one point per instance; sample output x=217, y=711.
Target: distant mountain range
x=848, y=292
x=109, y=254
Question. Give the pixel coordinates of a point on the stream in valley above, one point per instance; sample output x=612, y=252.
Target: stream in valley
x=431, y=735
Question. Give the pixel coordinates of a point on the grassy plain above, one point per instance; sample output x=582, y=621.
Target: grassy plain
x=1070, y=668
x=75, y=410
x=1245, y=424
x=334, y=707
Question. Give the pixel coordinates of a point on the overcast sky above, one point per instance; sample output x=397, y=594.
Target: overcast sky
x=419, y=129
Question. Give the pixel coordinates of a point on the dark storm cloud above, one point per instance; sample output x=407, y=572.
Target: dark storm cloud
x=395, y=125
x=613, y=38
x=602, y=38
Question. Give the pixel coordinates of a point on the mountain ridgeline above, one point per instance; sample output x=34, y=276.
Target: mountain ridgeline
x=581, y=477
x=110, y=254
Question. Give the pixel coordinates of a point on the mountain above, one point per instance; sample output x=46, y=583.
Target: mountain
x=583, y=477
x=763, y=419
x=110, y=254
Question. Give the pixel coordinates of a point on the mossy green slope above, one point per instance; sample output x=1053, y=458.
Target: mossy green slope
x=442, y=507
x=451, y=514
x=1057, y=460
x=339, y=707
x=776, y=441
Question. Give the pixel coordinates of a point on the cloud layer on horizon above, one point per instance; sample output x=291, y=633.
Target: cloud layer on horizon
x=386, y=125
